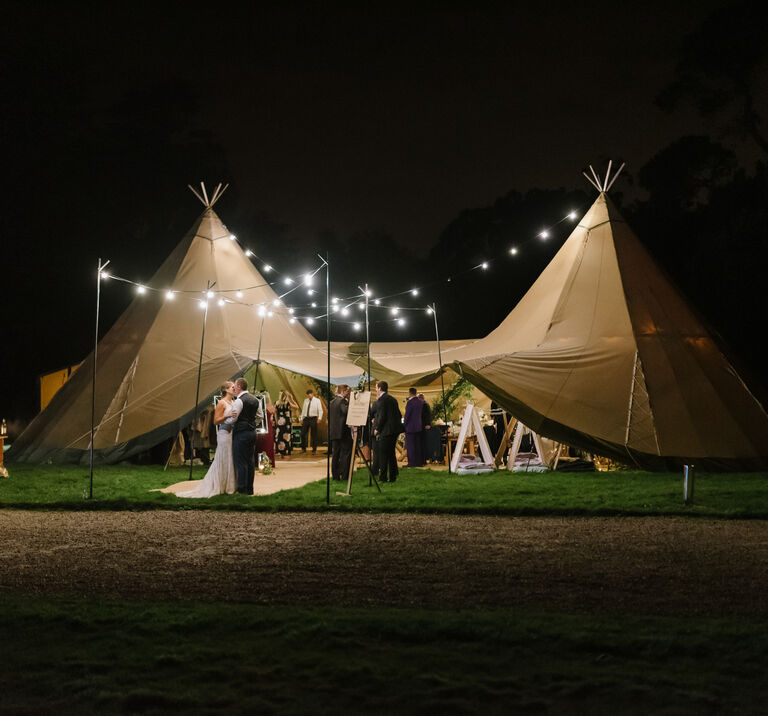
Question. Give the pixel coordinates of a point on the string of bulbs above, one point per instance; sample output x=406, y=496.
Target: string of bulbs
x=342, y=306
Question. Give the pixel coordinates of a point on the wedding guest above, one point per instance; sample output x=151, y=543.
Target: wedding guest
x=413, y=428
x=311, y=413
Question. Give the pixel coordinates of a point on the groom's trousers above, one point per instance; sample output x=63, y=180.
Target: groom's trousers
x=244, y=457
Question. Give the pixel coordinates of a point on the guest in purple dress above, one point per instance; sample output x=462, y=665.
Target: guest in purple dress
x=413, y=428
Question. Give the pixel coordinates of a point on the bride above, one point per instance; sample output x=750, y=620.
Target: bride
x=220, y=477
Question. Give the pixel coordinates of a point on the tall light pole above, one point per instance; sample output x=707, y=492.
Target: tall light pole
x=99, y=276
x=199, y=374
x=433, y=308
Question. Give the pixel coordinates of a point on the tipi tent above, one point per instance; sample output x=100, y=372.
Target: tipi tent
x=605, y=354
x=602, y=353
x=148, y=361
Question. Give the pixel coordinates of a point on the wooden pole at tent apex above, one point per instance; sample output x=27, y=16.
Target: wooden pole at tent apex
x=199, y=373
x=217, y=194
x=93, y=377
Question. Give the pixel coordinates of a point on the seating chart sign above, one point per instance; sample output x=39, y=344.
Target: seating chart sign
x=359, y=402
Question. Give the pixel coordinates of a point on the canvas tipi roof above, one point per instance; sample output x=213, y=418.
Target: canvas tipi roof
x=148, y=361
x=603, y=352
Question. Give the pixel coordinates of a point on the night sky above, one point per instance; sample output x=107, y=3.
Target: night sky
x=369, y=122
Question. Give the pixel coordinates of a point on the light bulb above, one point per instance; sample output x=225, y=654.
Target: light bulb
x=169, y=295
x=572, y=215
x=287, y=280
x=308, y=279
x=104, y=275
x=544, y=234
x=239, y=294
x=232, y=237
x=400, y=321
x=356, y=326
x=291, y=320
x=209, y=294
x=314, y=305
x=377, y=302
x=415, y=292
x=249, y=253
x=267, y=268
x=221, y=302
x=513, y=251
x=202, y=304
x=140, y=289
x=484, y=265
x=310, y=321
x=345, y=311
x=361, y=306
x=276, y=302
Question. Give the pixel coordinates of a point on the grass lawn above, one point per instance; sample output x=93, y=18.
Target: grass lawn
x=426, y=491
x=87, y=657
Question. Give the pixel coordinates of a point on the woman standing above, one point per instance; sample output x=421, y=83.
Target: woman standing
x=220, y=478
x=284, y=425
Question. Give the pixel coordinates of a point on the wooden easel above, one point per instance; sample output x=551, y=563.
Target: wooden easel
x=519, y=431
x=352, y=461
x=509, y=426
x=471, y=419
x=357, y=417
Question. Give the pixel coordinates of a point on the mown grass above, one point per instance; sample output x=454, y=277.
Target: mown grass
x=425, y=491
x=87, y=657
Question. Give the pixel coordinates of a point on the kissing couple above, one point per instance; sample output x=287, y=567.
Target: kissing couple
x=234, y=464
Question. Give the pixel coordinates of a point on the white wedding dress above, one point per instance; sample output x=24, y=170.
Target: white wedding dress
x=220, y=478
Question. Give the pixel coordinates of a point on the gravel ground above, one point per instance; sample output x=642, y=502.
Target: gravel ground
x=640, y=564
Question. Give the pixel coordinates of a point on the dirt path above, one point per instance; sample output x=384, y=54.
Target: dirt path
x=646, y=564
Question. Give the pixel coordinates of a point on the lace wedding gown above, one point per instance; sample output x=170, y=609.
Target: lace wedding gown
x=220, y=478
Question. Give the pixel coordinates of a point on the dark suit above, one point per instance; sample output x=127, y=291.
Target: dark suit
x=340, y=436
x=426, y=422
x=388, y=424
x=244, y=443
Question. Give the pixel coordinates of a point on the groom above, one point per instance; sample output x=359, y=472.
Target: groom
x=248, y=411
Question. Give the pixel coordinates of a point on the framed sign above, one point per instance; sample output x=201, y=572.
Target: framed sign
x=359, y=402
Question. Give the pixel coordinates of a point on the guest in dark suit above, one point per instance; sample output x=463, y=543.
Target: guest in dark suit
x=387, y=425
x=339, y=433
x=248, y=410
x=413, y=428
x=426, y=426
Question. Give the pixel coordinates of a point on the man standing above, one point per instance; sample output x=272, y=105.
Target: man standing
x=387, y=425
x=248, y=410
x=426, y=424
x=339, y=433
x=311, y=412
x=413, y=429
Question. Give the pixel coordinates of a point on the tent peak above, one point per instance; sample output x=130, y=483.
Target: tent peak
x=208, y=203
x=604, y=184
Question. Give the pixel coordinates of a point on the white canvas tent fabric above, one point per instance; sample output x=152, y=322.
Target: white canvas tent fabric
x=605, y=354
x=148, y=361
